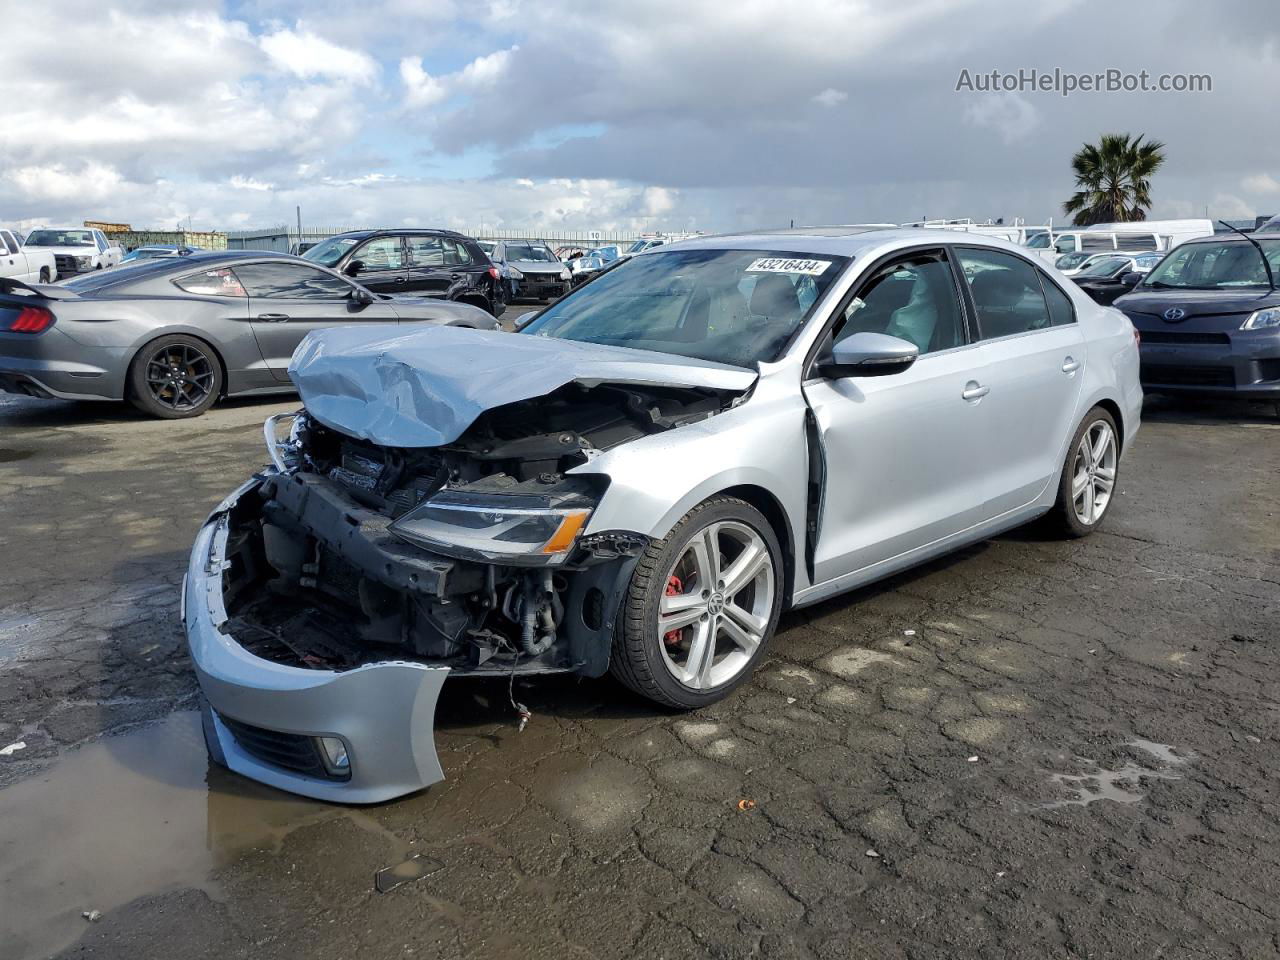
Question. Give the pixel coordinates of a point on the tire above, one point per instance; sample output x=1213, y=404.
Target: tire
x=186, y=378
x=1070, y=515
x=665, y=666
x=44, y=275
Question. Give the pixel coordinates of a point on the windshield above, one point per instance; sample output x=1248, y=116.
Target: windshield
x=737, y=307
x=607, y=254
x=1106, y=267
x=1069, y=261
x=329, y=252
x=1216, y=266
x=487, y=245
x=1038, y=242
x=60, y=238
x=530, y=251
x=638, y=246
x=150, y=253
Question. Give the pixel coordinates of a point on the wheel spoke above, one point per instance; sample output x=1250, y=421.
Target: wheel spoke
x=1078, y=484
x=1088, y=502
x=682, y=616
x=744, y=569
x=1102, y=444
x=746, y=620
x=702, y=652
x=733, y=627
x=1103, y=485
x=706, y=558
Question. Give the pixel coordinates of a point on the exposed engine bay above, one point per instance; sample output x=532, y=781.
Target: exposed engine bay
x=469, y=555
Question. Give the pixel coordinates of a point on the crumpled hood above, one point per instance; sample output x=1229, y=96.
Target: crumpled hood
x=536, y=266
x=425, y=387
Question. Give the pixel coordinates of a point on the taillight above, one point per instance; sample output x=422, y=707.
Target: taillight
x=493, y=272
x=30, y=320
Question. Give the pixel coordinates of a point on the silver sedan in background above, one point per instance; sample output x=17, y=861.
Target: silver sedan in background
x=639, y=480
x=173, y=334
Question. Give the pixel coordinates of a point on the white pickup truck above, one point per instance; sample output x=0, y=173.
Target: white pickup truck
x=19, y=263
x=75, y=249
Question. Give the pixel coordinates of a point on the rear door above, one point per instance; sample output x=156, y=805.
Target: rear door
x=429, y=274
x=13, y=262
x=382, y=265
x=1034, y=366
x=902, y=452
x=289, y=300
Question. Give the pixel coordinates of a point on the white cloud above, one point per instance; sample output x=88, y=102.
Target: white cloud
x=830, y=97
x=306, y=55
x=249, y=183
x=421, y=89
x=1009, y=114
x=92, y=181
x=1261, y=183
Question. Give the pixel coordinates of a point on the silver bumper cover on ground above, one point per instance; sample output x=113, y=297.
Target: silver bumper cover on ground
x=383, y=713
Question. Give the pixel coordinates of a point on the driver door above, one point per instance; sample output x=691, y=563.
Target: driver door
x=903, y=457
x=289, y=300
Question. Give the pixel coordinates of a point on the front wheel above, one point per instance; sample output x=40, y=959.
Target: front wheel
x=701, y=607
x=1089, y=475
x=174, y=377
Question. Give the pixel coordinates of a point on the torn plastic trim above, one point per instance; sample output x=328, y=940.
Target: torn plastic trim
x=384, y=713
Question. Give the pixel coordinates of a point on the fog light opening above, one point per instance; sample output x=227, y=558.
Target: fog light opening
x=333, y=752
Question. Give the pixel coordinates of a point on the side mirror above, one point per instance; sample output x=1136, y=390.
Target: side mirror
x=354, y=267
x=522, y=321
x=1131, y=279
x=868, y=355
x=362, y=296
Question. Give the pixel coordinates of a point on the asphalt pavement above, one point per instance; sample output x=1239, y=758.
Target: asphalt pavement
x=1033, y=748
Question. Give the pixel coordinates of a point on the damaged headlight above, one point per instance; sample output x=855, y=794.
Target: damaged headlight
x=283, y=451
x=518, y=530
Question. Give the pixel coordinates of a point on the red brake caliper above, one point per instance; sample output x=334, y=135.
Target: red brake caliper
x=674, y=588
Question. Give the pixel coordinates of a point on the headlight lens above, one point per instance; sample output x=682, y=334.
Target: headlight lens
x=515, y=274
x=283, y=452
x=84, y=261
x=1263, y=319
x=564, y=274
x=520, y=530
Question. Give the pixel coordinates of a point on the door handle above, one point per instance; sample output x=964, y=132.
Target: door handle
x=455, y=276
x=273, y=317
x=973, y=390
x=1070, y=365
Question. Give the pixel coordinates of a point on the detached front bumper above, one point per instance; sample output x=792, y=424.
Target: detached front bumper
x=264, y=719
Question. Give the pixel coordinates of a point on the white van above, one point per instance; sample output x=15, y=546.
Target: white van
x=1139, y=235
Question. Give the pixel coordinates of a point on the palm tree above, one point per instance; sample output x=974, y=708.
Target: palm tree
x=1114, y=179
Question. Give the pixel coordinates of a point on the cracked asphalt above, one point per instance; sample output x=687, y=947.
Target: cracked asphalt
x=1032, y=748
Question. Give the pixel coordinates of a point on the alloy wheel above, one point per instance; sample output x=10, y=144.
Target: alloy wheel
x=717, y=601
x=180, y=376
x=1093, y=472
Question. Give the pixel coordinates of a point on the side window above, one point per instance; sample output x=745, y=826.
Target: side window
x=100, y=240
x=7, y=241
x=425, y=252
x=913, y=298
x=455, y=254
x=1006, y=292
x=211, y=283
x=291, y=281
x=1060, y=310
x=381, y=253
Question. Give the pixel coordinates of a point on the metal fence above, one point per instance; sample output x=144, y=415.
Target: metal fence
x=283, y=238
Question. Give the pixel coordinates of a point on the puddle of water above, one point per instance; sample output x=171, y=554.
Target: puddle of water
x=1118, y=785
x=127, y=816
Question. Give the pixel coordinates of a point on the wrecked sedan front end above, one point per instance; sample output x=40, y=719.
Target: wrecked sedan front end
x=421, y=521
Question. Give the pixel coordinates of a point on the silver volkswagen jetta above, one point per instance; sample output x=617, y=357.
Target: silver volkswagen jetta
x=640, y=481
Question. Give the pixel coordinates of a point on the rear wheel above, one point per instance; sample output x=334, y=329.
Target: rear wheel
x=44, y=275
x=1089, y=476
x=701, y=607
x=175, y=377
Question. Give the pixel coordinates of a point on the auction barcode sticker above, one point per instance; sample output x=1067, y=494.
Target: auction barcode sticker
x=811, y=268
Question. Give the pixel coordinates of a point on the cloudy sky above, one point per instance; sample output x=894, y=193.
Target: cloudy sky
x=652, y=114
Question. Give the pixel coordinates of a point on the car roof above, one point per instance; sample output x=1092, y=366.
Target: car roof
x=845, y=241
x=400, y=232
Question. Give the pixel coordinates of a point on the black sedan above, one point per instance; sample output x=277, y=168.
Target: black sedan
x=174, y=334
x=425, y=263
x=1209, y=318
x=1111, y=277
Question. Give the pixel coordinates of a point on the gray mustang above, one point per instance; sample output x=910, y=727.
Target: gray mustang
x=173, y=335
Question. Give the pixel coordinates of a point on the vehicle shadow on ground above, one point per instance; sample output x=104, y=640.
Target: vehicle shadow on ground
x=1191, y=410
